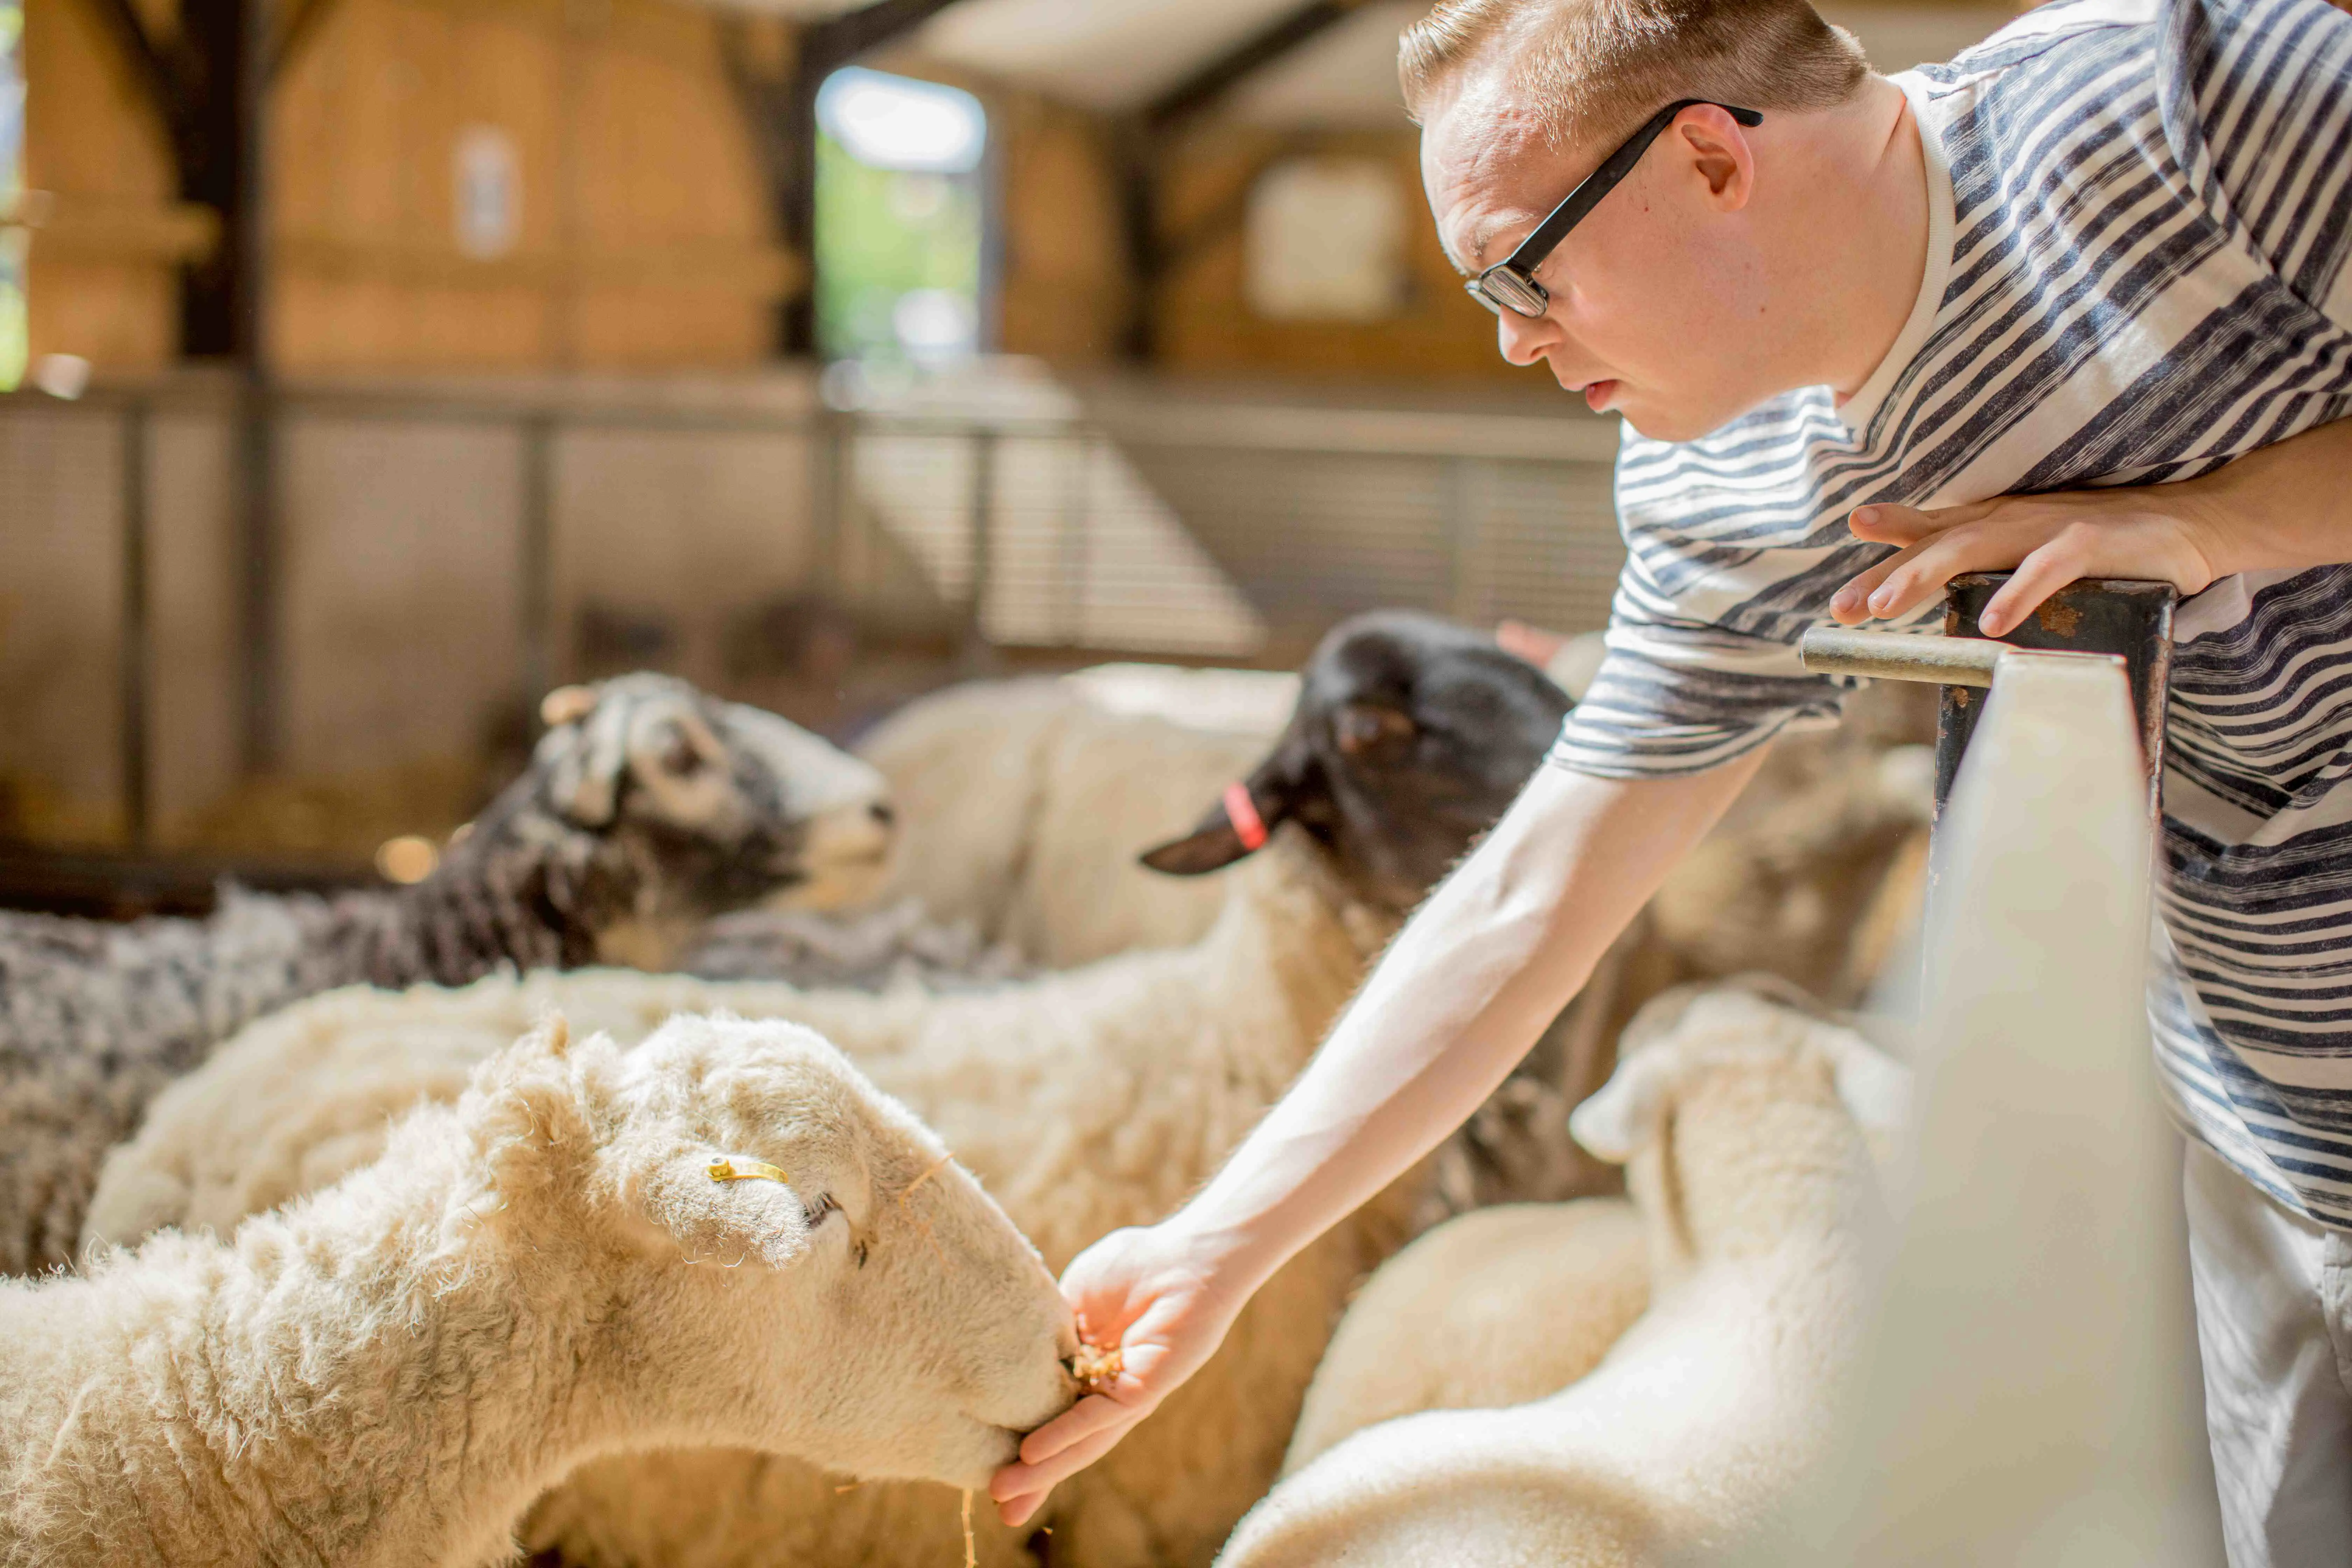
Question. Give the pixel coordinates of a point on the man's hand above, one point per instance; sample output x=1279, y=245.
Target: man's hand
x=1157, y=1295
x=2156, y=532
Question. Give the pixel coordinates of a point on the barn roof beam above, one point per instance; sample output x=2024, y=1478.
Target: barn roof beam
x=1151, y=253
x=1208, y=83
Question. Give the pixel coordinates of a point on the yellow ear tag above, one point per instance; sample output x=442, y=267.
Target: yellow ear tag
x=749, y=1170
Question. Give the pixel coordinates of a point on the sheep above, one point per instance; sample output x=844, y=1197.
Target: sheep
x=1024, y=803
x=583, y=1255
x=647, y=808
x=1022, y=799
x=1746, y=1121
x=1103, y=1096
x=1446, y=1324
x=897, y=944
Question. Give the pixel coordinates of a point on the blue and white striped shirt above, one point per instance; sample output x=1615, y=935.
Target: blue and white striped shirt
x=2139, y=267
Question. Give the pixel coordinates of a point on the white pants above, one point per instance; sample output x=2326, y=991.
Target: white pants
x=2275, y=1329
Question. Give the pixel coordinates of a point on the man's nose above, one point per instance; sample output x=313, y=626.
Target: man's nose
x=1523, y=340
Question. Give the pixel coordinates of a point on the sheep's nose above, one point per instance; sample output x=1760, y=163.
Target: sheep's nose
x=883, y=813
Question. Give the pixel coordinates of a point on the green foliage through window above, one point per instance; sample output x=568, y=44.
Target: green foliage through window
x=898, y=249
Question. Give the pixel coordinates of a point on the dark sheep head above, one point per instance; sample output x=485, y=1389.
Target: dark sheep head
x=650, y=807
x=1410, y=737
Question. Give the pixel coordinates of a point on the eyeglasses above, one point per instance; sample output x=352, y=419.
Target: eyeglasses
x=1510, y=284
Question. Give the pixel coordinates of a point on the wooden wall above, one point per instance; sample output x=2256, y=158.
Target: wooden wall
x=645, y=239
x=1064, y=287
x=103, y=279
x=1201, y=319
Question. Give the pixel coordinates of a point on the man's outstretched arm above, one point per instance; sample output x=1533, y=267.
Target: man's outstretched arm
x=1462, y=994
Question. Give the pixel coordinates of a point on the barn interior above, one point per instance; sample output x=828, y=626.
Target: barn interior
x=381, y=364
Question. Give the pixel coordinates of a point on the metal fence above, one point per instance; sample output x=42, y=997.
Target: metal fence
x=433, y=549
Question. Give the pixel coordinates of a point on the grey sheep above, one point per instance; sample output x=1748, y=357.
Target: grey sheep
x=648, y=808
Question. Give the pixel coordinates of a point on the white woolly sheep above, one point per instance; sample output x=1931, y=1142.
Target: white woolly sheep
x=1023, y=803
x=1448, y=1324
x=648, y=808
x=1744, y=1120
x=1088, y=1100
x=555, y=1267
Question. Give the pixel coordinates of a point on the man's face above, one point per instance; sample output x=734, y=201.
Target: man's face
x=1656, y=297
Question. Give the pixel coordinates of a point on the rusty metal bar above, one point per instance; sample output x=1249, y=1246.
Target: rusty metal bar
x=1898, y=656
x=2128, y=619
x=2120, y=617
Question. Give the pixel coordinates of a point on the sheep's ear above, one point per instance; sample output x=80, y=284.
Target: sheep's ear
x=1875, y=1086
x=566, y=705
x=681, y=765
x=583, y=757
x=1622, y=1115
x=724, y=1208
x=524, y=1108
x=1237, y=825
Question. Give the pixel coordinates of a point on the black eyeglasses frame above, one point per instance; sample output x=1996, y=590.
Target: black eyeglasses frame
x=1515, y=274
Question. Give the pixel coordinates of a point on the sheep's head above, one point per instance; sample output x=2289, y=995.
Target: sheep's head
x=1744, y=1112
x=793, y=1262
x=1410, y=737
x=650, y=806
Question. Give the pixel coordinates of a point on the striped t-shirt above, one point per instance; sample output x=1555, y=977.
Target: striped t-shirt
x=2139, y=266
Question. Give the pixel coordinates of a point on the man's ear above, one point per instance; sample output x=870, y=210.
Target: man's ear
x=722, y=1208
x=1718, y=151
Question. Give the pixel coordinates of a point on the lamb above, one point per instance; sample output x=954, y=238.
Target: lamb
x=1746, y=1121
x=1103, y=1096
x=648, y=808
x=550, y=1269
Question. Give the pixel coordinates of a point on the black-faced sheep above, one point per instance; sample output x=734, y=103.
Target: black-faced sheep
x=648, y=808
x=1748, y=1124
x=724, y=1236
x=1088, y=1100
x=1023, y=801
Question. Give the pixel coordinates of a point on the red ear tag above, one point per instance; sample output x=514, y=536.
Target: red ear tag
x=1242, y=812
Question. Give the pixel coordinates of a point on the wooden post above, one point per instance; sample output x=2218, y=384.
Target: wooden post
x=135, y=654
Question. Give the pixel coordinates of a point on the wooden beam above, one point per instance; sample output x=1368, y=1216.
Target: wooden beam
x=834, y=43
x=1151, y=256
x=162, y=75
x=302, y=27
x=1210, y=83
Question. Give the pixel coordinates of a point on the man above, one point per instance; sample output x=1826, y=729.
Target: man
x=2110, y=246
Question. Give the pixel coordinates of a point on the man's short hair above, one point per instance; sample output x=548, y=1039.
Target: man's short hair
x=1597, y=69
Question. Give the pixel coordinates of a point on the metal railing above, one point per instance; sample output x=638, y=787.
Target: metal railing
x=437, y=544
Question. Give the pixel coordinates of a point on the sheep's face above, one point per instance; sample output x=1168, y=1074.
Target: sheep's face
x=1410, y=737
x=666, y=808
x=811, y=1261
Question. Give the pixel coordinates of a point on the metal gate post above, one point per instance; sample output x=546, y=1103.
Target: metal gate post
x=2097, y=614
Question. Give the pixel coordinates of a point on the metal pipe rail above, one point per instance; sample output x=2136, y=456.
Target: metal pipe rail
x=2119, y=618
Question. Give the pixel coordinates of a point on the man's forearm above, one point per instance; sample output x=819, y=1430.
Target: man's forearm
x=1464, y=991
x=2286, y=507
